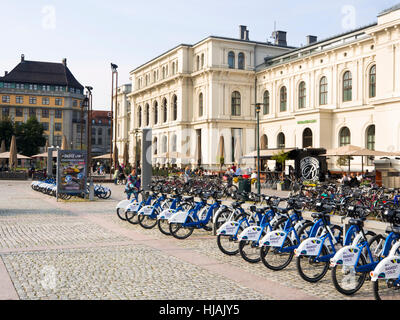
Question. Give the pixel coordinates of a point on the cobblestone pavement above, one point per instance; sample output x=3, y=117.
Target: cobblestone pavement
x=82, y=250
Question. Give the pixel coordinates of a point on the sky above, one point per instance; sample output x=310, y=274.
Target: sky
x=93, y=33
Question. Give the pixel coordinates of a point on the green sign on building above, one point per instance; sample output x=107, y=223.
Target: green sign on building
x=306, y=121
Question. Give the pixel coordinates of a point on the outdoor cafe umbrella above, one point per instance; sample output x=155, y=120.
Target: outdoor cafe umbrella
x=125, y=154
x=6, y=155
x=238, y=151
x=13, y=153
x=64, y=144
x=2, y=149
x=221, y=150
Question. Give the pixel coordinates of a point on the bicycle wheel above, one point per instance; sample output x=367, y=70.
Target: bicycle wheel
x=304, y=231
x=249, y=251
x=179, y=231
x=147, y=222
x=121, y=214
x=274, y=258
x=131, y=217
x=221, y=218
x=311, y=270
x=229, y=244
x=376, y=244
x=163, y=226
x=386, y=290
x=346, y=280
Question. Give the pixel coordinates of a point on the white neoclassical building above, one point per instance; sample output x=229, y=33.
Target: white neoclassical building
x=341, y=90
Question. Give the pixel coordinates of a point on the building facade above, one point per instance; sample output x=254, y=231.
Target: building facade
x=329, y=93
x=47, y=91
x=101, y=132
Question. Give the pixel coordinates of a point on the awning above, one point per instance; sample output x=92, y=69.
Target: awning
x=267, y=153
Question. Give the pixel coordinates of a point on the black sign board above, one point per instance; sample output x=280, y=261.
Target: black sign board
x=71, y=171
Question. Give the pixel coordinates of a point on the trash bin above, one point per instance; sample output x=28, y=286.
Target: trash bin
x=244, y=185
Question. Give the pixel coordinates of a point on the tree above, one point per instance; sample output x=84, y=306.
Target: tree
x=280, y=158
x=7, y=130
x=30, y=137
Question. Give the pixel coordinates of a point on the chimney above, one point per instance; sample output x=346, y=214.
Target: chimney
x=5, y=73
x=246, y=35
x=280, y=38
x=64, y=62
x=22, y=57
x=242, y=32
x=311, y=39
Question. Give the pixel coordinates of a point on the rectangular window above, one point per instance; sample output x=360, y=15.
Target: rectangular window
x=32, y=112
x=57, y=126
x=45, y=126
x=58, y=114
x=19, y=112
x=58, y=102
x=6, y=112
x=45, y=113
x=45, y=101
x=5, y=99
x=19, y=99
x=75, y=103
x=99, y=140
x=57, y=141
x=32, y=100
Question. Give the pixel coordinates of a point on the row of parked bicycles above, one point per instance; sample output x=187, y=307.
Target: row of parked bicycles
x=272, y=230
x=49, y=186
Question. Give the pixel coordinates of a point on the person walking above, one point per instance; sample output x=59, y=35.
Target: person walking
x=132, y=185
x=116, y=174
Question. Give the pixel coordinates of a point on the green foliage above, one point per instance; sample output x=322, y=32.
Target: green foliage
x=7, y=130
x=29, y=137
x=280, y=157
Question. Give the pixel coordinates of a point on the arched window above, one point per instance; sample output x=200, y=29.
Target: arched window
x=164, y=144
x=175, y=107
x=200, y=104
x=283, y=99
x=264, y=142
x=266, y=102
x=323, y=91
x=302, y=95
x=147, y=114
x=307, y=138
x=231, y=60
x=155, y=145
x=165, y=110
x=155, y=112
x=173, y=143
x=344, y=137
x=347, y=86
x=139, y=116
x=235, y=104
x=370, y=143
x=281, y=140
x=372, y=81
x=241, y=60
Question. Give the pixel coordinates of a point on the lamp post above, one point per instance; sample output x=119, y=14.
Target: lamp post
x=136, y=132
x=84, y=106
x=89, y=128
x=258, y=108
x=114, y=71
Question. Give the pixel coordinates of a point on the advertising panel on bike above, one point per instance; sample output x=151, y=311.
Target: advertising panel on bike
x=71, y=171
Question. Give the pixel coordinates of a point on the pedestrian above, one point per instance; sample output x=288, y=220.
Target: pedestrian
x=116, y=174
x=132, y=185
x=238, y=171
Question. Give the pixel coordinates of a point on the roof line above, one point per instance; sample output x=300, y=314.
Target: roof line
x=322, y=41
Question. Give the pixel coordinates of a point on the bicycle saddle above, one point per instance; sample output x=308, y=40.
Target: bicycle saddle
x=189, y=199
x=237, y=204
x=319, y=215
x=357, y=222
x=394, y=229
x=282, y=210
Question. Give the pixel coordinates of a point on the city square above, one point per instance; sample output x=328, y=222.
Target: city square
x=201, y=162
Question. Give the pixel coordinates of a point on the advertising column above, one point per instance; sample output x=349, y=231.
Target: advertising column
x=71, y=171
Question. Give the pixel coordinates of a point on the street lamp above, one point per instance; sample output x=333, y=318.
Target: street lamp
x=258, y=108
x=89, y=129
x=84, y=106
x=136, y=132
x=114, y=68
